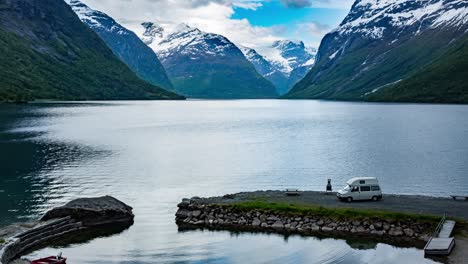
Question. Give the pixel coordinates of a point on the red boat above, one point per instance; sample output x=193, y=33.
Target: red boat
x=50, y=260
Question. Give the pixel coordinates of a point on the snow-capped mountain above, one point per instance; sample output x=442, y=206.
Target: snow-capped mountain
x=153, y=32
x=49, y=53
x=205, y=65
x=380, y=43
x=125, y=44
x=284, y=63
x=376, y=18
x=195, y=43
x=288, y=55
x=267, y=70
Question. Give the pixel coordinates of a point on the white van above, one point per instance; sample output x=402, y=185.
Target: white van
x=364, y=188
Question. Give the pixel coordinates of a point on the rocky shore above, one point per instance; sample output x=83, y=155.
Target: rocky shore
x=396, y=218
x=213, y=213
x=84, y=218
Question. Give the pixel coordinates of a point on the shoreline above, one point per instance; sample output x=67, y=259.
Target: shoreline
x=398, y=220
x=77, y=221
x=305, y=220
x=411, y=204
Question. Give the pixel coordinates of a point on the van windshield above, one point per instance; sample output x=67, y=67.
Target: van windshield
x=346, y=188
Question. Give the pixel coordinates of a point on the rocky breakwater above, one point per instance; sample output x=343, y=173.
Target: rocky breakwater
x=198, y=212
x=80, y=217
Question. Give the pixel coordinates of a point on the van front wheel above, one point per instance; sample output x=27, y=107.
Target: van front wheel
x=375, y=198
x=349, y=199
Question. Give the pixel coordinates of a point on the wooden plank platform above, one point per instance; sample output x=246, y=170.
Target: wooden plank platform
x=439, y=246
x=447, y=229
x=441, y=243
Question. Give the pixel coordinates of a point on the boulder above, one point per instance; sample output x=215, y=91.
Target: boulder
x=196, y=213
x=395, y=232
x=278, y=225
x=272, y=218
x=183, y=214
x=256, y=222
x=93, y=211
x=315, y=227
x=408, y=232
x=361, y=229
x=378, y=225
x=376, y=232
x=184, y=204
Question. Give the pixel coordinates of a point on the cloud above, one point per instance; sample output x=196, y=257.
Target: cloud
x=214, y=16
x=340, y=4
x=297, y=3
x=314, y=29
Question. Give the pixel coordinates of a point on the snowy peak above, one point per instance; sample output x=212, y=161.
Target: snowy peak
x=288, y=55
x=379, y=44
x=287, y=63
x=152, y=32
x=188, y=40
x=376, y=18
x=96, y=19
x=286, y=45
x=125, y=44
x=206, y=65
x=183, y=28
x=261, y=64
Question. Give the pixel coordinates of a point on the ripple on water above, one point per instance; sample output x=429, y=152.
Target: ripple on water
x=152, y=154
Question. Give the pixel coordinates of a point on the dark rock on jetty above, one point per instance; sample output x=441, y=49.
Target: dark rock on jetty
x=93, y=211
x=86, y=217
x=199, y=212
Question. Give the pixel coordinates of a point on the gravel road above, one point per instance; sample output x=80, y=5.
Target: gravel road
x=397, y=203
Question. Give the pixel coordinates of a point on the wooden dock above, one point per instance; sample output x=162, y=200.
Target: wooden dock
x=441, y=243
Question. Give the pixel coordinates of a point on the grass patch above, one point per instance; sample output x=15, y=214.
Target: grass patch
x=335, y=213
x=2, y=240
x=461, y=229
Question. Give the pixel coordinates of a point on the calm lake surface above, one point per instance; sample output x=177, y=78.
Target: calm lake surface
x=153, y=154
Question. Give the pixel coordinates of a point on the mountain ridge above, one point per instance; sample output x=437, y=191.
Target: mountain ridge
x=206, y=65
x=284, y=63
x=380, y=43
x=125, y=44
x=48, y=53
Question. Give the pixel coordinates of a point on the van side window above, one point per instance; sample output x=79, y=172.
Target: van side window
x=365, y=188
x=375, y=188
x=362, y=182
x=355, y=189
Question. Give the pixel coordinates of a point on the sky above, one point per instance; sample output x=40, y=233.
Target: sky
x=250, y=23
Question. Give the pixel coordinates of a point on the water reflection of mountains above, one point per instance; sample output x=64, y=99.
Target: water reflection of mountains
x=358, y=242
x=23, y=158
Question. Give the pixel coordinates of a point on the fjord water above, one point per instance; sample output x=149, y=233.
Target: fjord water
x=153, y=154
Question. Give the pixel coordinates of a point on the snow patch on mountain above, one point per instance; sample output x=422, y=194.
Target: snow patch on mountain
x=262, y=65
x=153, y=33
x=284, y=63
x=288, y=55
x=366, y=14
x=185, y=40
x=96, y=19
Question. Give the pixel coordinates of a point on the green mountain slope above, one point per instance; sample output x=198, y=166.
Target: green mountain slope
x=445, y=80
x=46, y=52
x=206, y=65
x=380, y=45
